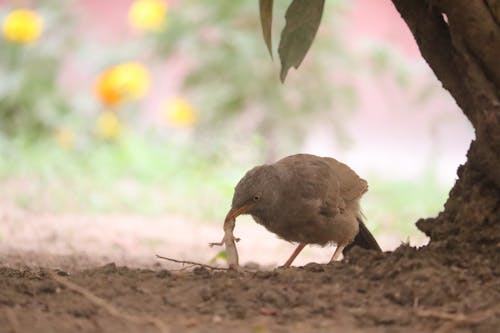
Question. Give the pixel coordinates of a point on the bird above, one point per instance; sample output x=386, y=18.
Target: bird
x=306, y=199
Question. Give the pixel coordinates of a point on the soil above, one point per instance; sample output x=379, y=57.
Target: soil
x=410, y=290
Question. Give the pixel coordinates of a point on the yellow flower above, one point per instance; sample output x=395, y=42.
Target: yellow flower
x=108, y=125
x=180, y=113
x=22, y=26
x=123, y=82
x=148, y=15
x=65, y=138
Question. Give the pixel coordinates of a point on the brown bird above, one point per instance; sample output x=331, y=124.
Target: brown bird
x=306, y=199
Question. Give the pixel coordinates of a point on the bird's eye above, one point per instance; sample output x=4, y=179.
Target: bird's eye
x=256, y=197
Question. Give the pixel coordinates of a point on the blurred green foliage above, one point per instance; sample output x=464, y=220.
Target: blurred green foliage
x=398, y=203
x=234, y=79
x=133, y=175
x=31, y=101
x=137, y=176
x=231, y=79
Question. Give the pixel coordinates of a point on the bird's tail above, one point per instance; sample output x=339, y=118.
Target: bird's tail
x=363, y=239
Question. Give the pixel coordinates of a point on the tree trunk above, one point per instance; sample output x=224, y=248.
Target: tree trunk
x=460, y=40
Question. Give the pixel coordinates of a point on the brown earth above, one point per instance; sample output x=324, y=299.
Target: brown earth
x=441, y=287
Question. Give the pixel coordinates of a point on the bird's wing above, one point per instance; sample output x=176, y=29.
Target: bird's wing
x=305, y=175
x=312, y=179
x=351, y=185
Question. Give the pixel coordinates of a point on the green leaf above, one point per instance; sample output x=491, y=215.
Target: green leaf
x=302, y=21
x=221, y=255
x=266, y=21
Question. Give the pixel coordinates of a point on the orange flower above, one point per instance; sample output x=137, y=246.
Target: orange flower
x=123, y=82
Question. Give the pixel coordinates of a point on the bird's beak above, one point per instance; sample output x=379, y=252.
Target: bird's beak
x=234, y=213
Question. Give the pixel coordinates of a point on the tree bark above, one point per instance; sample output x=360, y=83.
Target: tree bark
x=460, y=40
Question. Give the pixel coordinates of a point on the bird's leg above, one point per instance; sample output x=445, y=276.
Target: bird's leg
x=338, y=251
x=294, y=255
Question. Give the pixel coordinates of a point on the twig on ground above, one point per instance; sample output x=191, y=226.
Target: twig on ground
x=192, y=263
x=456, y=319
x=183, y=268
x=110, y=308
x=12, y=320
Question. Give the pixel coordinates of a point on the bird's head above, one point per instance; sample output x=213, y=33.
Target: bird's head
x=256, y=193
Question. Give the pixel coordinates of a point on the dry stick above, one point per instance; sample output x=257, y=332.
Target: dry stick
x=186, y=262
x=456, y=319
x=110, y=308
x=183, y=268
x=12, y=320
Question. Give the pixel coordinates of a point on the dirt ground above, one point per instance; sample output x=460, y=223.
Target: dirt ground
x=447, y=286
